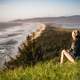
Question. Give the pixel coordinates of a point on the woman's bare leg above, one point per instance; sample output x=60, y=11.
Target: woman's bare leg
x=62, y=56
x=67, y=55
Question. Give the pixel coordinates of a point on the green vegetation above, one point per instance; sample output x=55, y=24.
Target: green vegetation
x=49, y=45
x=44, y=71
x=39, y=59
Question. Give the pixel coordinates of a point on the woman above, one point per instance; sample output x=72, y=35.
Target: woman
x=74, y=51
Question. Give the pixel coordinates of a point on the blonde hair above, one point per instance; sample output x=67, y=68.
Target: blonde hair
x=75, y=33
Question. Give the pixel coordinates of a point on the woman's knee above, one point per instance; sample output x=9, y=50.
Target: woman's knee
x=63, y=50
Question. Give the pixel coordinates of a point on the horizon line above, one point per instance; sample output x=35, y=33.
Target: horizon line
x=37, y=17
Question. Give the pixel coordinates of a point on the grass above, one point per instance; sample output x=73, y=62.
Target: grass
x=44, y=71
x=48, y=48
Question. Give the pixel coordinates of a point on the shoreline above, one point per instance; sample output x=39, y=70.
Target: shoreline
x=39, y=29
x=33, y=35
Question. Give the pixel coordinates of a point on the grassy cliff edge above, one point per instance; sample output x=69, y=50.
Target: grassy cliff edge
x=39, y=60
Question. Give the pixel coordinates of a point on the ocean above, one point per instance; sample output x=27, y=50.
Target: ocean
x=10, y=39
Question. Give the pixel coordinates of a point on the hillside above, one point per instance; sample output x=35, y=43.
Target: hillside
x=39, y=60
x=62, y=19
x=48, y=45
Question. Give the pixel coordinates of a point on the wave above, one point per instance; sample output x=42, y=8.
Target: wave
x=12, y=37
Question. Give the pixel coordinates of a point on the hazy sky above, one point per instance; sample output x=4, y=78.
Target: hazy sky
x=20, y=9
